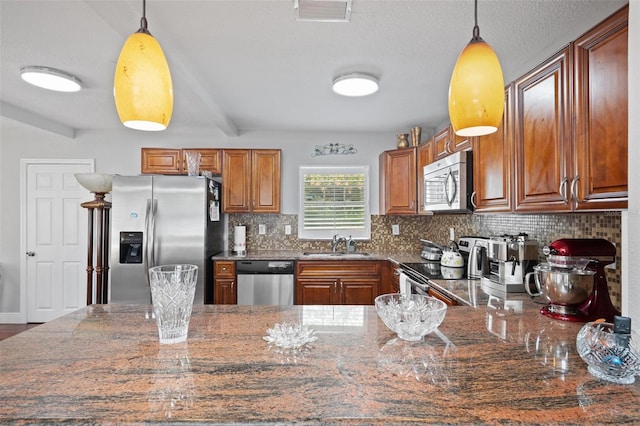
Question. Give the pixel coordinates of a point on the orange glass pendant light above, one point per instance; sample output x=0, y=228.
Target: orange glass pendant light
x=476, y=90
x=142, y=84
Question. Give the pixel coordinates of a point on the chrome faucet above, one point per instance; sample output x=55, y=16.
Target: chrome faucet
x=337, y=240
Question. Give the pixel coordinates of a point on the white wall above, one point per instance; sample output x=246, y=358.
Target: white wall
x=119, y=152
x=631, y=220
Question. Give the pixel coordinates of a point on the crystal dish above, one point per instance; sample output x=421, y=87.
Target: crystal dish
x=290, y=335
x=411, y=316
x=612, y=357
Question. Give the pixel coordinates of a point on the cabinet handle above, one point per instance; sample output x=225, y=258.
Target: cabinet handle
x=473, y=199
x=562, y=190
x=574, y=193
x=447, y=147
x=335, y=287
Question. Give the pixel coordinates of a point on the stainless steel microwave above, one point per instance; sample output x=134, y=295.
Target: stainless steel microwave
x=448, y=183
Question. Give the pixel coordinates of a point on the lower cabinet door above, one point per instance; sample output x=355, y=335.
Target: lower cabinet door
x=359, y=291
x=225, y=291
x=315, y=291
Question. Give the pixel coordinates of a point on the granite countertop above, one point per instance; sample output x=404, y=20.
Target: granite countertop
x=484, y=365
x=299, y=255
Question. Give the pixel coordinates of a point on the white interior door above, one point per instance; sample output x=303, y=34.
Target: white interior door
x=54, y=227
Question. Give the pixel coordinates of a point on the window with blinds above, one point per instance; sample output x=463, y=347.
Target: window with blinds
x=334, y=200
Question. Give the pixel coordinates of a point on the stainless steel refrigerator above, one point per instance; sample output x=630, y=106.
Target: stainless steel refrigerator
x=160, y=220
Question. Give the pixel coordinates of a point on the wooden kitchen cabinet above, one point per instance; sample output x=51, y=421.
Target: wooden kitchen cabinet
x=543, y=136
x=164, y=161
x=492, y=165
x=210, y=160
x=571, y=121
x=601, y=116
x=441, y=141
x=425, y=156
x=390, y=278
x=320, y=282
x=446, y=142
x=225, y=288
x=398, y=182
x=169, y=161
x=251, y=180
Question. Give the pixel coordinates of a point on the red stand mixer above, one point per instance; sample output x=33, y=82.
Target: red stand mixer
x=577, y=254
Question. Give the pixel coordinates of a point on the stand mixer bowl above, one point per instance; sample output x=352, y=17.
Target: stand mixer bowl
x=561, y=286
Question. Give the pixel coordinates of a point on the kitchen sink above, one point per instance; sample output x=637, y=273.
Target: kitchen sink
x=335, y=254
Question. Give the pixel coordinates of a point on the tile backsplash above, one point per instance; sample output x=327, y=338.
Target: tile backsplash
x=544, y=228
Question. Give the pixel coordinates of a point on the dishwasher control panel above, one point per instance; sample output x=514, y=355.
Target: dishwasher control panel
x=264, y=267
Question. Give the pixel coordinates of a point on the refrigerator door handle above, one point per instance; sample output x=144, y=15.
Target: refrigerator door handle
x=152, y=234
x=147, y=244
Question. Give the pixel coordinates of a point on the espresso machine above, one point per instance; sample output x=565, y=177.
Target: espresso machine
x=572, y=255
x=510, y=257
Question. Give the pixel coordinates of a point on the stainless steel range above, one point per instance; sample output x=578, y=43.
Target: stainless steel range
x=415, y=276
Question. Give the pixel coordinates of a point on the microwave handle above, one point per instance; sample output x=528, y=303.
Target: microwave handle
x=450, y=197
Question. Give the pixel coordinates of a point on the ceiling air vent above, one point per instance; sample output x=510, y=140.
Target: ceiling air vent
x=322, y=10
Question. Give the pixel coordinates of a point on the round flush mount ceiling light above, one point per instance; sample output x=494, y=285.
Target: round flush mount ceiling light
x=51, y=79
x=355, y=84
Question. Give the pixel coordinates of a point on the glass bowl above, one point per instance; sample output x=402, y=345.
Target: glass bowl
x=411, y=316
x=612, y=357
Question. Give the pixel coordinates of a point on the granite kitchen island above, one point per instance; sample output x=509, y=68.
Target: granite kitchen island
x=486, y=365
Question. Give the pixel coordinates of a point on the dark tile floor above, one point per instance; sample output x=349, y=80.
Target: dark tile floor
x=8, y=330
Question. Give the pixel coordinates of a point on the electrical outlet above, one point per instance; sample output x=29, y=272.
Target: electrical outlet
x=395, y=229
x=287, y=230
x=262, y=229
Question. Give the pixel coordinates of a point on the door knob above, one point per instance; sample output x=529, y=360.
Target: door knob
x=31, y=253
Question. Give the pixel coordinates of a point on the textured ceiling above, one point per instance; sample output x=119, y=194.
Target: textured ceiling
x=249, y=65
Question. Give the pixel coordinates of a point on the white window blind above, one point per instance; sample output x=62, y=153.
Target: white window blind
x=334, y=200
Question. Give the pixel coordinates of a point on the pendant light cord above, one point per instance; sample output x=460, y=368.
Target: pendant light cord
x=143, y=20
x=476, y=28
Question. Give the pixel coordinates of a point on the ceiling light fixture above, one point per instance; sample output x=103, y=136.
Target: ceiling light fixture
x=50, y=78
x=476, y=91
x=355, y=84
x=142, y=84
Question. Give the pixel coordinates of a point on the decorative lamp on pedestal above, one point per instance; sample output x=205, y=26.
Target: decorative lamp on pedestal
x=99, y=185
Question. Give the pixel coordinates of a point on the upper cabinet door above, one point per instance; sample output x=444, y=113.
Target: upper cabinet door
x=441, y=143
x=236, y=180
x=543, y=136
x=251, y=180
x=492, y=160
x=161, y=161
x=601, y=115
x=398, y=181
x=265, y=177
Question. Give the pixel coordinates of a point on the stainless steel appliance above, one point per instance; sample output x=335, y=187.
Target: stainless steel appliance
x=431, y=251
x=163, y=220
x=477, y=259
x=448, y=183
x=566, y=258
x=265, y=282
x=511, y=257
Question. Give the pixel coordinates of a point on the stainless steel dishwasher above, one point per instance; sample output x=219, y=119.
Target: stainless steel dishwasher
x=265, y=282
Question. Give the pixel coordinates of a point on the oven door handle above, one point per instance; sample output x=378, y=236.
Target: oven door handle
x=411, y=286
